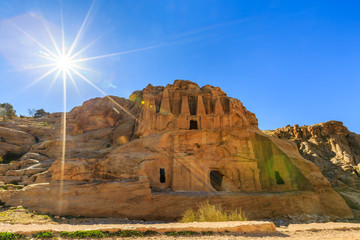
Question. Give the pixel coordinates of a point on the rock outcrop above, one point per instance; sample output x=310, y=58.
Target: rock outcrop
x=14, y=143
x=162, y=151
x=335, y=150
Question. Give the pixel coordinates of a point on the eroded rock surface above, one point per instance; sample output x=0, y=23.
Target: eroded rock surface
x=162, y=151
x=335, y=150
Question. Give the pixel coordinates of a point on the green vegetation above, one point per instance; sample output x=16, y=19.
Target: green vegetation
x=83, y=234
x=100, y=234
x=150, y=233
x=41, y=235
x=10, y=236
x=208, y=233
x=91, y=234
x=20, y=215
x=11, y=187
x=128, y=233
x=211, y=213
x=45, y=124
x=182, y=233
x=7, y=111
x=38, y=113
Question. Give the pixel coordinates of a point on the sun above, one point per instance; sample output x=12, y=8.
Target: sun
x=64, y=63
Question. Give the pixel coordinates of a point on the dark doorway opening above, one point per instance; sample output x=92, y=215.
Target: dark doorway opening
x=162, y=175
x=278, y=178
x=193, y=124
x=37, y=139
x=216, y=180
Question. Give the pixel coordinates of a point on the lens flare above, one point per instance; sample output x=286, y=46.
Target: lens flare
x=66, y=63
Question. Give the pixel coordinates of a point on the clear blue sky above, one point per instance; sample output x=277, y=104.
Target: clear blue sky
x=289, y=62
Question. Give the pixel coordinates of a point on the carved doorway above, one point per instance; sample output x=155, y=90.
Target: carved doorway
x=216, y=180
x=193, y=124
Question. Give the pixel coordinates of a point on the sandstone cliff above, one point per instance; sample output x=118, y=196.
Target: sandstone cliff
x=158, y=153
x=335, y=150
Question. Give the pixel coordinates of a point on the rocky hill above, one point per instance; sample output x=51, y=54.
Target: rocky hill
x=335, y=150
x=163, y=150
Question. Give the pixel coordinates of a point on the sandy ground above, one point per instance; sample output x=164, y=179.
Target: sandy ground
x=323, y=235
x=319, y=231
x=15, y=219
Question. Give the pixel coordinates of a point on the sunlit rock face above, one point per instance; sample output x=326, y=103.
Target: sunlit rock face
x=335, y=150
x=185, y=106
x=172, y=148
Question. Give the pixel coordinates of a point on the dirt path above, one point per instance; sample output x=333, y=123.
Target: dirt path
x=304, y=235
x=320, y=231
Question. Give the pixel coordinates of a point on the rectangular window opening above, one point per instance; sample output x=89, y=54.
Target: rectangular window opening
x=162, y=175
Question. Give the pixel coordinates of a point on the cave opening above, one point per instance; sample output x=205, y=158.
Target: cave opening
x=278, y=178
x=216, y=180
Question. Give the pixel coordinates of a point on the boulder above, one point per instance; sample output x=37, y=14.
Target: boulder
x=16, y=137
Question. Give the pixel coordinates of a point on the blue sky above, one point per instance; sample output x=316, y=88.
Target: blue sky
x=289, y=62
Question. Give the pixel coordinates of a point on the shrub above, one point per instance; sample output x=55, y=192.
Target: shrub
x=44, y=124
x=150, y=233
x=10, y=236
x=11, y=187
x=39, y=113
x=207, y=233
x=129, y=233
x=187, y=233
x=7, y=111
x=83, y=234
x=43, y=235
x=100, y=234
x=211, y=213
x=171, y=233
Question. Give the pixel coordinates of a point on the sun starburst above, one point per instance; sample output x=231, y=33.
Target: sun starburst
x=65, y=64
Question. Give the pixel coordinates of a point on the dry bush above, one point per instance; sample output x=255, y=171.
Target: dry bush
x=212, y=213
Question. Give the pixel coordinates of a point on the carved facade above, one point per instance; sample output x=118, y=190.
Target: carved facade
x=205, y=117
x=177, y=108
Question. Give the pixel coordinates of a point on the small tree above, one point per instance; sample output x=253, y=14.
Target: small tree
x=7, y=111
x=40, y=113
x=2, y=113
x=31, y=112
